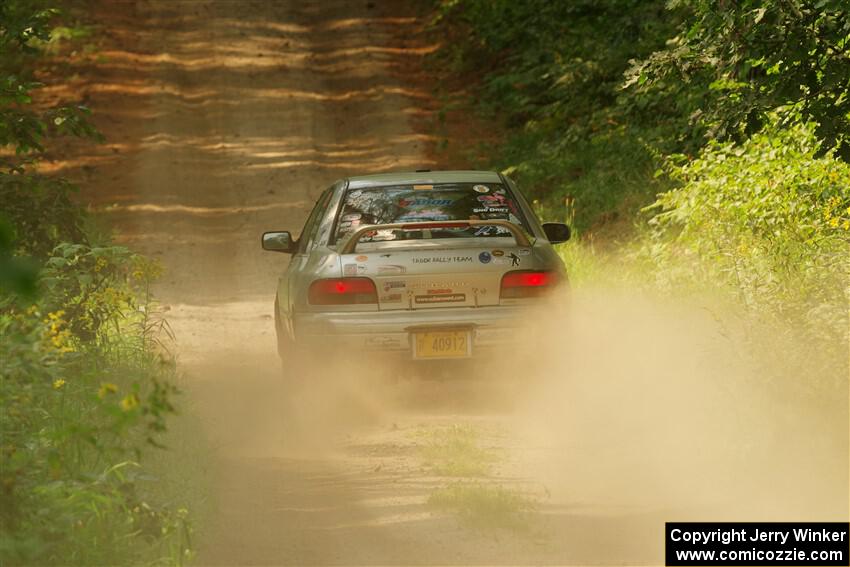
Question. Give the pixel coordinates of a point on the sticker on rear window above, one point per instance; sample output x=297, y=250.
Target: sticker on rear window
x=424, y=202
x=404, y=204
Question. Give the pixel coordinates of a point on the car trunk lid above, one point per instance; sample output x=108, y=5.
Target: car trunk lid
x=437, y=274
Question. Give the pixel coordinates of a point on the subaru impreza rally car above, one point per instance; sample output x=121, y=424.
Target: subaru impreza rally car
x=425, y=265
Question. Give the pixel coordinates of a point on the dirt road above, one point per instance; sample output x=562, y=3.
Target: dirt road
x=228, y=118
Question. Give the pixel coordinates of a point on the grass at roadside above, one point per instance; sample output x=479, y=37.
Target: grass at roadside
x=456, y=451
x=486, y=505
x=180, y=478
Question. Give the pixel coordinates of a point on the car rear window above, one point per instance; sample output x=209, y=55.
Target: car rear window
x=422, y=203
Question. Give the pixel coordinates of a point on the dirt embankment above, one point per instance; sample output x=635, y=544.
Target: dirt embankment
x=224, y=119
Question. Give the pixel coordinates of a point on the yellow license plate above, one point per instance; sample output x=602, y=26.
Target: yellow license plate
x=441, y=344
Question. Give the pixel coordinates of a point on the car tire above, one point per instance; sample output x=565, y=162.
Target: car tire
x=284, y=346
x=287, y=352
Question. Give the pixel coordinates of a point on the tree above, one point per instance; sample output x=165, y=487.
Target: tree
x=735, y=62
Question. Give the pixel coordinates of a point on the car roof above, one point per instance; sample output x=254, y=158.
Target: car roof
x=423, y=177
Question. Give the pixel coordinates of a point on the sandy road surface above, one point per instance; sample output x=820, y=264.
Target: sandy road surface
x=225, y=119
x=228, y=118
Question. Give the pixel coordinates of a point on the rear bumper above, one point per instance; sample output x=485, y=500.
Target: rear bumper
x=390, y=331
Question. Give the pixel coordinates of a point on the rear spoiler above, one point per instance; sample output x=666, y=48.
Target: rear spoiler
x=350, y=245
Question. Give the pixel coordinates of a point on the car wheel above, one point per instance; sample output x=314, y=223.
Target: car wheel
x=280, y=332
x=291, y=360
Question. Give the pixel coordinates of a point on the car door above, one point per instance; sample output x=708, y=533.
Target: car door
x=306, y=242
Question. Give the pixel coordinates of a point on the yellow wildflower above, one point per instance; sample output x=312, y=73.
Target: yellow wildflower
x=833, y=222
x=106, y=388
x=846, y=224
x=129, y=402
x=57, y=384
x=56, y=335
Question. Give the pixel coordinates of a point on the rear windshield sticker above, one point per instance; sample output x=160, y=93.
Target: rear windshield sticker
x=490, y=230
x=424, y=202
x=419, y=215
x=493, y=199
x=428, y=202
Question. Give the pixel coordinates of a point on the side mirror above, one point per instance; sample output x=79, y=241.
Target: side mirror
x=278, y=242
x=556, y=232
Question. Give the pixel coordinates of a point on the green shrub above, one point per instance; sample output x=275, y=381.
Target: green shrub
x=86, y=379
x=766, y=217
x=768, y=221
x=86, y=386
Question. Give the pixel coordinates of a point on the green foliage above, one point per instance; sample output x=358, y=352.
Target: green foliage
x=732, y=117
x=767, y=219
x=17, y=275
x=486, y=505
x=85, y=374
x=455, y=451
x=732, y=65
x=84, y=391
x=553, y=73
x=24, y=25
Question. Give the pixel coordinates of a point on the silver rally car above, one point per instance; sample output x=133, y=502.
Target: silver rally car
x=427, y=264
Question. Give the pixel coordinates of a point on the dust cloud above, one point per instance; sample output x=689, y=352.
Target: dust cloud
x=648, y=403
x=616, y=411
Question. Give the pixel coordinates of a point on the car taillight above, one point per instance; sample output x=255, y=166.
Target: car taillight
x=342, y=291
x=527, y=284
